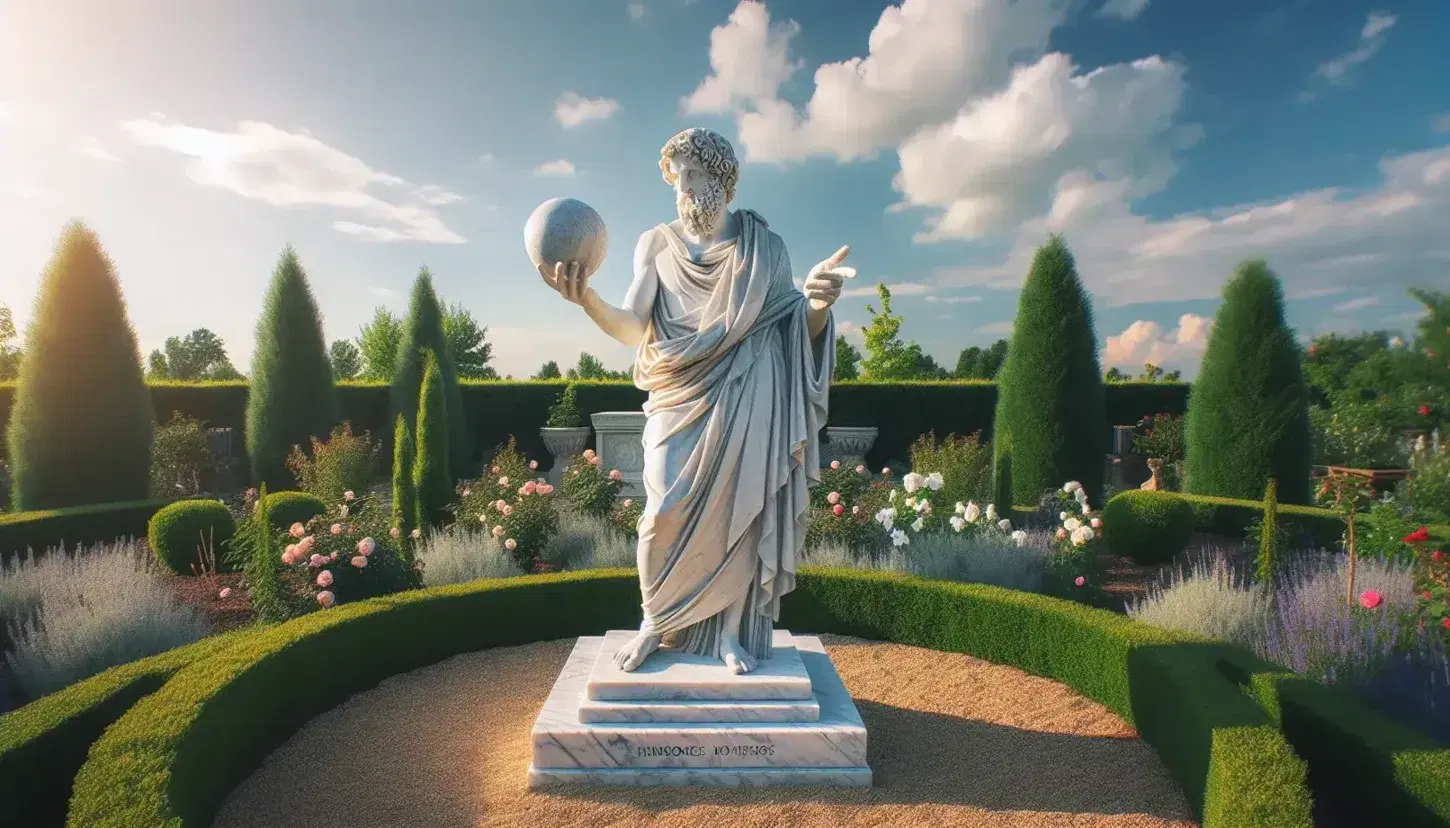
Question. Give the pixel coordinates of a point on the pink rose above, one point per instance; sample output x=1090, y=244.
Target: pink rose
x=546, y=489
x=510, y=544
x=291, y=549
x=833, y=497
x=1096, y=523
x=503, y=481
x=225, y=593
x=305, y=545
x=332, y=556
x=359, y=561
x=615, y=475
x=316, y=560
x=533, y=465
x=1061, y=533
x=528, y=488
x=395, y=531
x=507, y=510
x=500, y=504
x=594, y=460
x=297, y=530
x=1080, y=580
x=416, y=534
x=855, y=510
x=886, y=472
x=467, y=492
x=347, y=495
x=860, y=469
x=324, y=578
x=336, y=529
x=326, y=598
x=498, y=531
x=838, y=510
x=289, y=558
x=1369, y=599
x=835, y=464
x=366, y=546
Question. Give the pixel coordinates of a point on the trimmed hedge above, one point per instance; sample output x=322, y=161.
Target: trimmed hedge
x=496, y=409
x=178, y=753
x=178, y=531
x=44, y=743
x=1229, y=516
x=1148, y=527
x=75, y=525
x=288, y=508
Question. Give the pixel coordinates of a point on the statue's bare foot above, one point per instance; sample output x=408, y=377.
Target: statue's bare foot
x=735, y=657
x=633, y=654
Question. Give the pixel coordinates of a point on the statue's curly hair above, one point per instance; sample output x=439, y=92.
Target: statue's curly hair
x=709, y=148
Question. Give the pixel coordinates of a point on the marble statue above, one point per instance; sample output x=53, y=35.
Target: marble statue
x=737, y=361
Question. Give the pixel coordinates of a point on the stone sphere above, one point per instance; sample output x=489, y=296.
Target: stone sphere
x=566, y=230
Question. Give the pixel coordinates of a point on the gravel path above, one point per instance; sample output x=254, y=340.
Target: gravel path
x=954, y=741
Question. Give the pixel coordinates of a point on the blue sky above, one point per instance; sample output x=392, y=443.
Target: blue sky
x=941, y=139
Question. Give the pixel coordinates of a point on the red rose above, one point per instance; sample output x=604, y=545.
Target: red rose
x=1438, y=555
x=1418, y=536
x=1445, y=622
x=838, y=510
x=1424, y=411
x=1313, y=349
x=1425, y=595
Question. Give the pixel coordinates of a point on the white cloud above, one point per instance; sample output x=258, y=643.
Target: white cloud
x=1003, y=328
x=93, y=148
x=1441, y=123
x=953, y=300
x=1145, y=341
x=898, y=289
x=561, y=168
x=1123, y=9
x=636, y=11
x=294, y=169
x=1357, y=304
x=573, y=109
x=1371, y=40
x=1316, y=293
x=749, y=60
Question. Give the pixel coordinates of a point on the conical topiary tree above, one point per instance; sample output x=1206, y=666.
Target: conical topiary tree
x=1051, y=426
x=431, y=479
x=423, y=331
x=405, y=497
x=1248, y=409
x=291, y=398
x=82, y=425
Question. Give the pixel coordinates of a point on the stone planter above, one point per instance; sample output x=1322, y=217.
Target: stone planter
x=563, y=444
x=848, y=444
x=620, y=443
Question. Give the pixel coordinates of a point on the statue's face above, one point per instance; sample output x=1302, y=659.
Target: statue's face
x=699, y=196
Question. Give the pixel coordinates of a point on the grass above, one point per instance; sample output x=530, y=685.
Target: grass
x=69, y=616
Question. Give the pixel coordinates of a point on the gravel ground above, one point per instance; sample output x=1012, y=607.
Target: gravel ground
x=954, y=741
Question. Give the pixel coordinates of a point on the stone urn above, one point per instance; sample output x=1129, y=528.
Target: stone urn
x=847, y=444
x=563, y=444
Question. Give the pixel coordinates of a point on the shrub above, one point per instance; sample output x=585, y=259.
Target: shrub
x=1248, y=411
x=589, y=542
x=462, y=553
x=625, y=517
x=1050, y=391
x=1356, y=434
x=75, y=525
x=180, y=455
x=508, y=461
x=588, y=488
x=1270, y=548
x=291, y=397
x=405, y=495
x=519, y=514
x=346, y=554
x=345, y=462
x=423, y=332
x=287, y=508
x=565, y=411
x=178, y=532
x=1428, y=489
x=1148, y=527
x=431, y=478
x=964, y=462
x=1210, y=599
x=70, y=616
x=81, y=428
x=849, y=483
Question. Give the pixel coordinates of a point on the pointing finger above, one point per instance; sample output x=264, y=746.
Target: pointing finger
x=839, y=256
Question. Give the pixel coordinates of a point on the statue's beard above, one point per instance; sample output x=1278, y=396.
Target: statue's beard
x=702, y=212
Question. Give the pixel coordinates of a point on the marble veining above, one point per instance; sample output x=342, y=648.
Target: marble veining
x=677, y=676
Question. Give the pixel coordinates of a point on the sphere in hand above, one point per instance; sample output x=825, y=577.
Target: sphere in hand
x=566, y=230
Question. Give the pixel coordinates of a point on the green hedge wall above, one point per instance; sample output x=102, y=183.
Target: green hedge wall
x=44, y=744
x=902, y=411
x=74, y=525
x=1231, y=517
x=175, y=756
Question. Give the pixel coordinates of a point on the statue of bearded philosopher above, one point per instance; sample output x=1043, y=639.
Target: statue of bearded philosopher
x=737, y=361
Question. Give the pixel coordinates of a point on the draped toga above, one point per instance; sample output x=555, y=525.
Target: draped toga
x=737, y=399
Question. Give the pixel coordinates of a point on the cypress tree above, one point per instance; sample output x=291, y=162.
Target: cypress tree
x=291, y=398
x=1051, y=425
x=405, y=497
x=82, y=425
x=431, y=480
x=1269, y=532
x=423, y=331
x=1248, y=409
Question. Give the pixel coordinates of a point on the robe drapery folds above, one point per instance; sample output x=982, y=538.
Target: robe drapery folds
x=737, y=398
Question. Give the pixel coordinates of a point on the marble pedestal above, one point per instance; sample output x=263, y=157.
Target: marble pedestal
x=619, y=439
x=686, y=720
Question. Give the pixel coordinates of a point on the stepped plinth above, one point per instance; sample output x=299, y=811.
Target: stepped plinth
x=687, y=720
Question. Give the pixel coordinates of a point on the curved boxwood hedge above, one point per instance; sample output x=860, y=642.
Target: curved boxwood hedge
x=44, y=743
x=176, y=755
x=74, y=525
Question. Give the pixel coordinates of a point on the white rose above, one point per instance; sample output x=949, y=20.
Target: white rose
x=957, y=523
x=1020, y=537
x=1005, y=525
x=991, y=511
x=1072, y=486
x=917, y=525
x=971, y=513
x=1087, y=510
x=1071, y=524
x=912, y=482
x=899, y=538
x=934, y=481
x=1062, y=515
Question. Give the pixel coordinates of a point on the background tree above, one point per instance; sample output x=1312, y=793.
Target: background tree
x=467, y=343
x=1248, y=410
x=1114, y=374
x=1050, y=397
x=199, y=356
x=9, y=346
x=548, y=371
x=378, y=343
x=590, y=368
x=926, y=366
x=423, y=331
x=1331, y=357
x=968, y=362
x=1151, y=372
x=1173, y=376
x=346, y=359
x=848, y=360
x=981, y=363
x=1432, y=333
x=82, y=425
x=291, y=399
x=887, y=356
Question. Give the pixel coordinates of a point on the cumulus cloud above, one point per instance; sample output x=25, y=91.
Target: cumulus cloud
x=1123, y=9
x=636, y=11
x=1371, y=40
x=560, y=168
x=1003, y=328
x=1356, y=304
x=749, y=60
x=573, y=109
x=952, y=300
x=294, y=169
x=1145, y=341
x=897, y=289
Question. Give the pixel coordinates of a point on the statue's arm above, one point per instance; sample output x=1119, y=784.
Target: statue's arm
x=628, y=324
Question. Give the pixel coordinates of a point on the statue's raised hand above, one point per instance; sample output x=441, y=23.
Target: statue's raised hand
x=823, y=283
x=571, y=280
